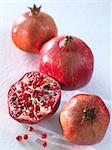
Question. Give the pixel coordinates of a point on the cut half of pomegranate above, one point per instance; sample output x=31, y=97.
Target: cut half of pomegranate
x=34, y=97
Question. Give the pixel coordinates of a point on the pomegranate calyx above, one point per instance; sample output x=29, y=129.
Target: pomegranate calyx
x=35, y=10
x=88, y=114
x=68, y=40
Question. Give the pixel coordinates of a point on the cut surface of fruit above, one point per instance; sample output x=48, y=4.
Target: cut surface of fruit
x=34, y=97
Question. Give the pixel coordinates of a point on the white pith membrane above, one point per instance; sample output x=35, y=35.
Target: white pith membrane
x=33, y=97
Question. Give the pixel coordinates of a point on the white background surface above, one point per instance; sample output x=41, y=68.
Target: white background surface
x=89, y=20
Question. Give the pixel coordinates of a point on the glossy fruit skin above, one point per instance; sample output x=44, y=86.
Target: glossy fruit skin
x=29, y=92
x=72, y=64
x=90, y=131
x=30, y=32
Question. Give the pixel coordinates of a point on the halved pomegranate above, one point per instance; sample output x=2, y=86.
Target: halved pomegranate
x=34, y=97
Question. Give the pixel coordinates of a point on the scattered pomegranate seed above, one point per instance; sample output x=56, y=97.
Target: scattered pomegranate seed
x=30, y=129
x=44, y=143
x=44, y=135
x=25, y=137
x=19, y=138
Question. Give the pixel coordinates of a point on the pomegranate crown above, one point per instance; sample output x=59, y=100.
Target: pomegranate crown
x=35, y=10
x=68, y=40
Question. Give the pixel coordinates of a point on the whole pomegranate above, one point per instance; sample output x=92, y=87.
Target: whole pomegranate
x=68, y=59
x=34, y=97
x=32, y=29
x=84, y=119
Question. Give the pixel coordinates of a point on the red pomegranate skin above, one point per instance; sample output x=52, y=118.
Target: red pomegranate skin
x=70, y=63
x=34, y=97
x=80, y=130
x=30, y=31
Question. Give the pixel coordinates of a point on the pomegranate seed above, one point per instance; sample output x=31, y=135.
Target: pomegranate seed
x=25, y=137
x=34, y=85
x=30, y=83
x=13, y=88
x=19, y=138
x=26, y=96
x=19, y=91
x=31, y=115
x=44, y=144
x=30, y=103
x=40, y=80
x=31, y=129
x=31, y=108
x=14, y=97
x=39, y=116
x=25, y=104
x=37, y=107
x=42, y=92
x=35, y=94
x=41, y=83
x=47, y=87
x=30, y=91
x=43, y=103
x=49, y=103
x=15, y=106
x=44, y=135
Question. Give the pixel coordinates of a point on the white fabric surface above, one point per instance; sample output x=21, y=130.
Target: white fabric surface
x=89, y=21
